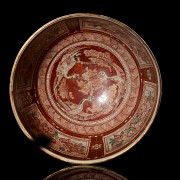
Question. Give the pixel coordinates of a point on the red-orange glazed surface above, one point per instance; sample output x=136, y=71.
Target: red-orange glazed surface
x=89, y=84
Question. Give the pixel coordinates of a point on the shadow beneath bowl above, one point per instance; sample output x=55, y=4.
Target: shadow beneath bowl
x=84, y=172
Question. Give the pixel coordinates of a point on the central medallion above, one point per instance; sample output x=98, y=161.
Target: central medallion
x=86, y=82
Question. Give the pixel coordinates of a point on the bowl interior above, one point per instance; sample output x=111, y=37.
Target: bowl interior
x=85, y=87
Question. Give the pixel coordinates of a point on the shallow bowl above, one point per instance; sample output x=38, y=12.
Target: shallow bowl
x=85, y=87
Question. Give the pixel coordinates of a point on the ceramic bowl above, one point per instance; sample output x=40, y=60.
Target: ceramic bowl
x=85, y=87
